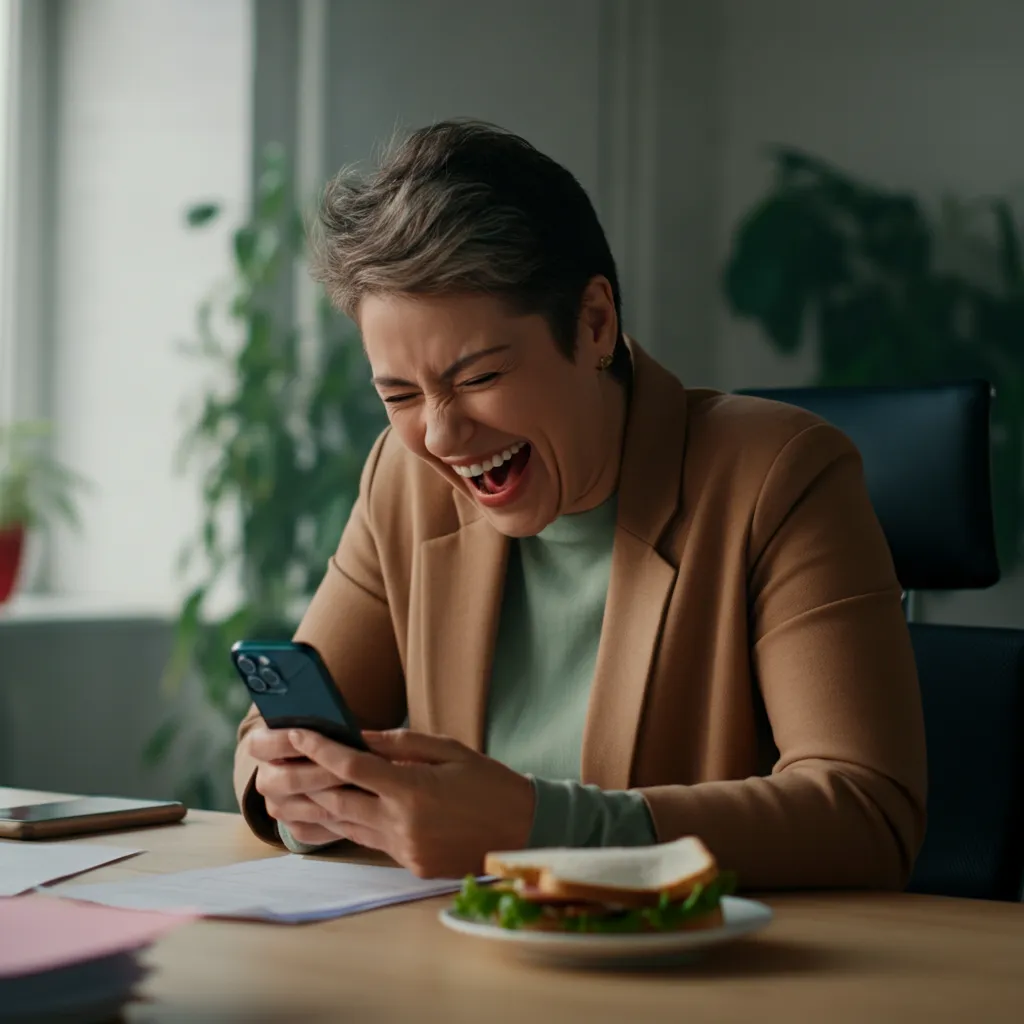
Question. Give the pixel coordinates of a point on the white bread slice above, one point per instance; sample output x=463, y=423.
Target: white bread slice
x=628, y=875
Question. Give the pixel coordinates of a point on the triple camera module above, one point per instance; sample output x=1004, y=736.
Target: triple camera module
x=261, y=676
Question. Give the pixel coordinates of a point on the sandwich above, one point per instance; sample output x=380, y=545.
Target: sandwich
x=666, y=887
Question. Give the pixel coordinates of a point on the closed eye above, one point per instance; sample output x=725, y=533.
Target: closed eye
x=398, y=399
x=484, y=378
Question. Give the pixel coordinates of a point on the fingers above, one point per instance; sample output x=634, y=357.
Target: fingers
x=349, y=807
x=355, y=767
x=404, y=745
x=266, y=744
x=305, y=821
x=303, y=810
x=283, y=779
x=329, y=815
x=296, y=810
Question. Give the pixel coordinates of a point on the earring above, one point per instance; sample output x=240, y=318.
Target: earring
x=603, y=363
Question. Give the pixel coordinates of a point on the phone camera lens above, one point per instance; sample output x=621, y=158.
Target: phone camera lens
x=247, y=665
x=270, y=677
x=256, y=684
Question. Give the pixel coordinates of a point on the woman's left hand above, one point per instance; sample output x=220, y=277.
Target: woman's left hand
x=431, y=803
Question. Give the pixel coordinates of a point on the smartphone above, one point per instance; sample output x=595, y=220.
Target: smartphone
x=291, y=687
x=85, y=814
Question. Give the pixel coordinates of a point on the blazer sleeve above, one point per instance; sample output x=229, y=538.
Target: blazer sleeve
x=349, y=623
x=831, y=653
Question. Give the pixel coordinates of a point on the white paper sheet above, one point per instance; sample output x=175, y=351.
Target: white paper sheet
x=287, y=889
x=24, y=864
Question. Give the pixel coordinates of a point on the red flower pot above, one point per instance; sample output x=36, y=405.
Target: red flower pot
x=12, y=544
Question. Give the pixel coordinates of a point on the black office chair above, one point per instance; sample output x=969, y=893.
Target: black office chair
x=926, y=462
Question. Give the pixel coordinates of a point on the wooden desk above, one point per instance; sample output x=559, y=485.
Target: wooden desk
x=830, y=958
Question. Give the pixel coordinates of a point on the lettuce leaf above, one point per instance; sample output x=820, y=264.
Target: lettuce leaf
x=492, y=905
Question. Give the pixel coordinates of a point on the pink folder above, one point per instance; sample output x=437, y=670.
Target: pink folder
x=39, y=933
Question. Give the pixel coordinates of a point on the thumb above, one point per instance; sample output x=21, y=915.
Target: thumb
x=406, y=745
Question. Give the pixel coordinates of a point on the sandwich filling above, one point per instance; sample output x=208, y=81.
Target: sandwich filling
x=515, y=905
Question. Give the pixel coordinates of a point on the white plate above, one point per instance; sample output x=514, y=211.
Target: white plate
x=742, y=917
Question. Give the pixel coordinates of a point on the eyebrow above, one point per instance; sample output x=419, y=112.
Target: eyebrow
x=455, y=368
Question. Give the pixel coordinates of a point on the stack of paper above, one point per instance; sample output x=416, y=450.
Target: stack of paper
x=71, y=960
x=288, y=889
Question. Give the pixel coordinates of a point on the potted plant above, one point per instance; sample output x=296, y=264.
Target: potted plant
x=892, y=294
x=279, y=440
x=34, y=489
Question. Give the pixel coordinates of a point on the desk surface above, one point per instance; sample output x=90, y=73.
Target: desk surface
x=826, y=957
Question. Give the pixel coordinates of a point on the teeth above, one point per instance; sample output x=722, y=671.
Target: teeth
x=492, y=463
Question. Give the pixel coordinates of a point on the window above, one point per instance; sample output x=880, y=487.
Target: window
x=138, y=111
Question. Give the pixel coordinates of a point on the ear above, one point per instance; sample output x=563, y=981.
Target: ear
x=598, y=326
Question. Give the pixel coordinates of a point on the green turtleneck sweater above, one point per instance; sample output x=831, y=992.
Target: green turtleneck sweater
x=550, y=626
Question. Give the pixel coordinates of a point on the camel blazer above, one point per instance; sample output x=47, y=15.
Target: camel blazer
x=754, y=679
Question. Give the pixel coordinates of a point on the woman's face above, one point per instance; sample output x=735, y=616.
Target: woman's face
x=486, y=397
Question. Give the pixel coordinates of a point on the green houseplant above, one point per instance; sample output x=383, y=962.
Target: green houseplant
x=279, y=439
x=35, y=489
x=892, y=295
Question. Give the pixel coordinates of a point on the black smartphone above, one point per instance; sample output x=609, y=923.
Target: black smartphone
x=82, y=815
x=292, y=688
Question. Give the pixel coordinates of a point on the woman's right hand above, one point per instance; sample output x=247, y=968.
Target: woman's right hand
x=285, y=778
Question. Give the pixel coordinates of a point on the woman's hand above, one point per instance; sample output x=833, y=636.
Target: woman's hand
x=286, y=780
x=431, y=803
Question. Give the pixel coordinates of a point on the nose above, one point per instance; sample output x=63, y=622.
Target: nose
x=448, y=431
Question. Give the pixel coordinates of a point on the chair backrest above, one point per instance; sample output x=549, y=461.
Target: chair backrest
x=926, y=462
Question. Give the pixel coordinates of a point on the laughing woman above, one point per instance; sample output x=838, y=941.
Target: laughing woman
x=613, y=610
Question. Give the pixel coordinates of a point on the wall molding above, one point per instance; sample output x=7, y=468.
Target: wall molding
x=28, y=338
x=659, y=199
x=310, y=153
x=275, y=102
x=30, y=194
x=626, y=162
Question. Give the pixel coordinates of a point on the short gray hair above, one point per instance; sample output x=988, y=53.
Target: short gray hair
x=464, y=207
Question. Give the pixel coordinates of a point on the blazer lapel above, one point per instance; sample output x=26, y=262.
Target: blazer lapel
x=641, y=583
x=461, y=580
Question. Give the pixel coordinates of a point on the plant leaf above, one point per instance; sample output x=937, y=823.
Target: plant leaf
x=158, y=745
x=186, y=636
x=1009, y=245
x=784, y=258
x=244, y=241
x=201, y=213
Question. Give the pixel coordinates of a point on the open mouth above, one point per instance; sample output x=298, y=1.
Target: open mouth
x=500, y=474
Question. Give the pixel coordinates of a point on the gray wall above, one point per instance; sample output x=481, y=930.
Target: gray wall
x=78, y=700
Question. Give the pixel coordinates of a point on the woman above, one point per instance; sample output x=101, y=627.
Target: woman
x=614, y=610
